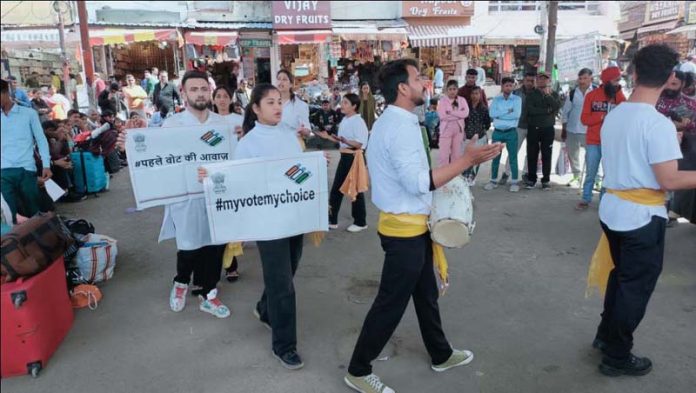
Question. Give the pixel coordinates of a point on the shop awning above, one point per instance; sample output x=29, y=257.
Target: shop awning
x=122, y=36
x=438, y=35
x=372, y=33
x=35, y=38
x=303, y=37
x=683, y=29
x=219, y=38
x=627, y=35
x=671, y=25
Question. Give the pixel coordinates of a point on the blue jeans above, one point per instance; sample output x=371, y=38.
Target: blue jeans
x=593, y=157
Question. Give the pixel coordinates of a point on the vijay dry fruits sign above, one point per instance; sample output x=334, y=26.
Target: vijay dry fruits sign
x=301, y=15
x=437, y=9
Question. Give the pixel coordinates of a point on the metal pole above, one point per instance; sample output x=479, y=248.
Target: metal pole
x=63, y=55
x=87, y=59
x=551, y=38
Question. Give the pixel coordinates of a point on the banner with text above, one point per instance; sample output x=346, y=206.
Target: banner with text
x=577, y=53
x=267, y=199
x=163, y=162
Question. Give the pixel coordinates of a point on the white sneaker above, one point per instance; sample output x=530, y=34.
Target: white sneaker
x=458, y=358
x=212, y=305
x=367, y=384
x=355, y=229
x=177, y=297
x=490, y=186
x=333, y=226
x=514, y=188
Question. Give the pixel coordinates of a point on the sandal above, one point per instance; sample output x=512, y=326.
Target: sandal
x=582, y=206
x=232, y=276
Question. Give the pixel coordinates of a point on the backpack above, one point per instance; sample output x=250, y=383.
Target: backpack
x=572, y=92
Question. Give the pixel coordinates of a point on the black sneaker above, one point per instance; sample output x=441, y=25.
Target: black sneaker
x=546, y=186
x=633, y=366
x=290, y=360
x=598, y=343
x=503, y=179
x=529, y=185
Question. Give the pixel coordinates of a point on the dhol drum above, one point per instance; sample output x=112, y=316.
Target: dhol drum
x=452, y=215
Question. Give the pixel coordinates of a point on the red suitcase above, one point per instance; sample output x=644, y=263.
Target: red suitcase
x=36, y=316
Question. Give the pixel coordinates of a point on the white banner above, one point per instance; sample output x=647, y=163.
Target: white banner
x=163, y=161
x=267, y=199
x=577, y=53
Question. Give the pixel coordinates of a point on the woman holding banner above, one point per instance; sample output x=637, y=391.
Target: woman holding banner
x=266, y=136
x=295, y=111
x=352, y=136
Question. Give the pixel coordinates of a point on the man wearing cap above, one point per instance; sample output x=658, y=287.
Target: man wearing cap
x=598, y=103
x=542, y=106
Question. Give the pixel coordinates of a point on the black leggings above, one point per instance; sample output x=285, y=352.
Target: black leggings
x=336, y=197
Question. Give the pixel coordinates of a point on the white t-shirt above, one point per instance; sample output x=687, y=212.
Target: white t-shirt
x=353, y=128
x=634, y=137
x=187, y=221
x=234, y=119
x=295, y=114
x=267, y=141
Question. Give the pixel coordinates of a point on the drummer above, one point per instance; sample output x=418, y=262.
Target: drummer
x=352, y=136
x=402, y=184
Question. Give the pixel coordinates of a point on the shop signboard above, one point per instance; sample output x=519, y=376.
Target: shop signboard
x=577, y=53
x=690, y=17
x=437, y=9
x=632, y=15
x=301, y=15
x=254, y=43
x=662, y=11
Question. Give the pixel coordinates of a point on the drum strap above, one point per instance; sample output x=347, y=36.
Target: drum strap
x=412, y=225
x=602, y=263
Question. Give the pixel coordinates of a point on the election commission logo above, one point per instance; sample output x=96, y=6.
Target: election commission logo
x=140, y=145
x=298, y=174
x=218, y=183
x=212, y=138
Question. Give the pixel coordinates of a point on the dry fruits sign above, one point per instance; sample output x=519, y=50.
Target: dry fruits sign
x=301, y=15
x=437, y=9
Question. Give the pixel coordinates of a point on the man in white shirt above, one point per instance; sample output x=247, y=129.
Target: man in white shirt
x=402, y=184
x=481, y=73
x=688, y=65
x=640, y=163
x=573, y=130
x=187, y=221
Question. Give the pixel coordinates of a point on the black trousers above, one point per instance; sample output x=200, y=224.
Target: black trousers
x=539, y=138
x=279, y=259
x=335, y=198
x=637, y=258
x=205, y=263
x=407, y=273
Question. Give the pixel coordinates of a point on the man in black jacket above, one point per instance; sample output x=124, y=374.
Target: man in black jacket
x=109, y=99
x=542, y=106
x=165, y=94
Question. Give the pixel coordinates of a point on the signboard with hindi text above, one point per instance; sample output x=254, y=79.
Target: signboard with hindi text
x=267, y=199
x=577, y=53
x=163, y=162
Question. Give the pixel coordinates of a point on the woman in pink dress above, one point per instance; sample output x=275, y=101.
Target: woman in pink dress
x=452, y=110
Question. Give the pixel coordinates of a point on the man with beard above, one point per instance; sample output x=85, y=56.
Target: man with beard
x=187, y=221
x=675, y=105
x=402, y=184
x=465, y=91
x=598, y=103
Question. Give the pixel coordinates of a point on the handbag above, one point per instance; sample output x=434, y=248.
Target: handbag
x=96, y=257
x=33, y=245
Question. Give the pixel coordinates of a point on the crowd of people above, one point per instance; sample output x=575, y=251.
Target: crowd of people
x=644, y=140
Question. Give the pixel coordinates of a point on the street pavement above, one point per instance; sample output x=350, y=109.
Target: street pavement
x=516, y=299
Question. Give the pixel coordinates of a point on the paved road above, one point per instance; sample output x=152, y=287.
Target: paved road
x=516, y=299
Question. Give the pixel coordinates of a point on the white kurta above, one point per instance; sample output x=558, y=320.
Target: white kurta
x=295, y=114
x=187, y=221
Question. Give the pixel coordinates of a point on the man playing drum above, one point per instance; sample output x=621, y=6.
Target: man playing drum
x=402, y=190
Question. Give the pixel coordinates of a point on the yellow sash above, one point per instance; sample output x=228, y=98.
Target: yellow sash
x=411, y=225
x=231, y=250
x=602, y=263
x=357, y=180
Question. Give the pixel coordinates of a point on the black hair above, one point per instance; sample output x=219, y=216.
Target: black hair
x=215, y=108
x=472, y=71
x=114, y=86
x=49, y=124
x=292, y=81
x=133, y=114
x=354, y=100
x=193, y=74
x=52, y=72
x=72, y=112
x=260, y=91
x=393, y=74
x=363, y=83
x=688, y=79
x=477, y=87
x=654, y=64
x=434, y=101
x=585, y=71
x=107, y=112
x=4, y=86
x=530, y=74
x=507, y=79
x=35, y=90
x=452, y=82
x=681, y=75
x=325, y=102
